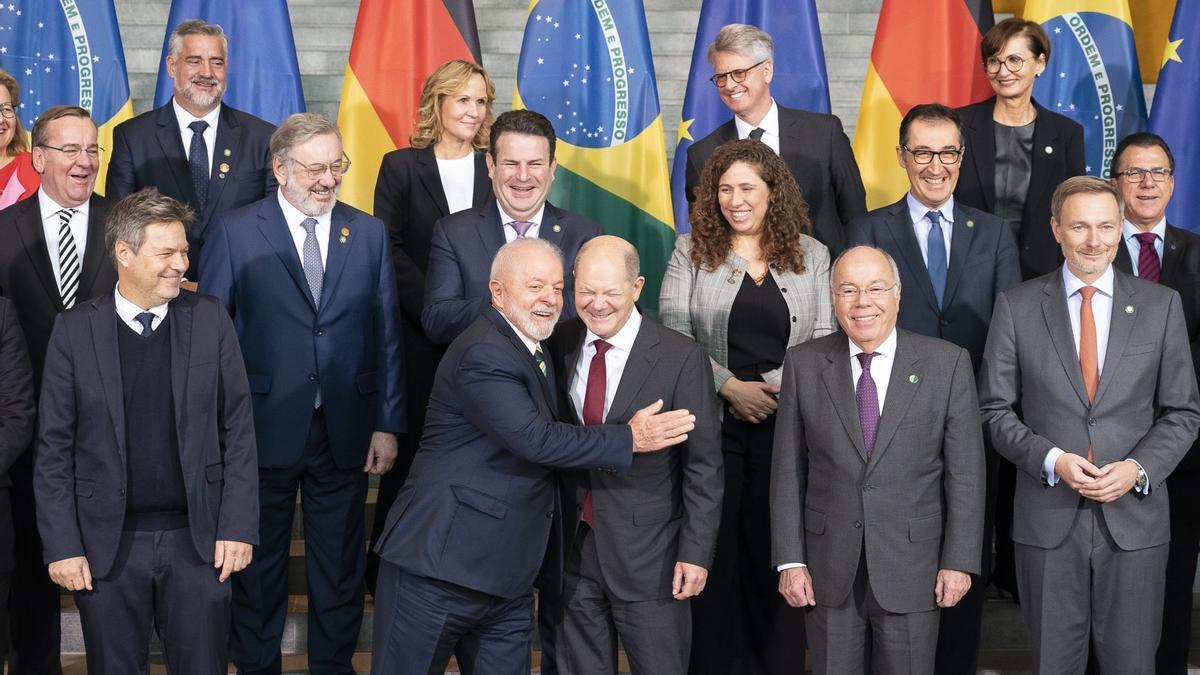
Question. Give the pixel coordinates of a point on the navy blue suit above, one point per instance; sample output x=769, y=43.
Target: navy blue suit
x=474, y=519
x=348, y=349
x=148, y=152
x=460, y=261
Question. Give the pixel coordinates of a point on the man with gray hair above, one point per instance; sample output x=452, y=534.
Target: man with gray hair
x=310, y=285
x=194, y=149
x=813, y=144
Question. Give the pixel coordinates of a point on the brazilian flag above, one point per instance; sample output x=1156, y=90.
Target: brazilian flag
x=587, y=67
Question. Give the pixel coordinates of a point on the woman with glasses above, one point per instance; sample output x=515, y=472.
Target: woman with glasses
x=747, y=283
x=1018, y=151
x=18, y=180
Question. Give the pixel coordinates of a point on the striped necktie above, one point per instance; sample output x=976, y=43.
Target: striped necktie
x=68, y=260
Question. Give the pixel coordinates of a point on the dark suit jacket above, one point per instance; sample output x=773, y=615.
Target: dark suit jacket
x=819, y=156
x=148, y=151
x=460, y=262
x=479, y=503
x=16, y=394
x=668, y=507
x=983, y=262
x=1057, y=155
x=916, y=505
x=80, y=473
x=349, y=348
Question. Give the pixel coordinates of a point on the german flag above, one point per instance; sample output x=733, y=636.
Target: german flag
x=395, y=46
x=945, y=69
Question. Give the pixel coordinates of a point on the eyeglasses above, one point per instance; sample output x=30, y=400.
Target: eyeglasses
x=738, y=75
x=1013, y=62
x=7, y=111
x=72, y=151
x=1135, y=174
x=849, y=292
x=315, y=171
x=926, y=156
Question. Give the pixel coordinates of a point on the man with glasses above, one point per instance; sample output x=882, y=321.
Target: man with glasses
x=813, y=144
x=954, y=260
x=310, y=285
x=52, y=257
x=194, y=149
x=876, y=479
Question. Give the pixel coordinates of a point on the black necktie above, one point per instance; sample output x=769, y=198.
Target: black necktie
x=757, y=134
x=198, y=162
x=147, y=321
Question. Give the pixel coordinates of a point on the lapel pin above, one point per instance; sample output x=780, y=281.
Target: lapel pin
x=228, y=152
x=557, y=227
x=970, y=223
x=733, y=275
x=1129, y=309
x=1049, y=150
x=345, y=232
x=914, y=378
x=224, y=167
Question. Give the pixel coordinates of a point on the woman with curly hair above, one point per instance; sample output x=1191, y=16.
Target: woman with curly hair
x=18, y=180
x=747, y=283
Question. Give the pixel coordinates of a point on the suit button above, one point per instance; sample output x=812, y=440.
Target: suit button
x=858, y=524
x=944, y=322
x=549, y=514
x=1091, y=421
x=122, y=492
x=318, y=332
x=312, y=377
x=866, y=487
x=793, y=319
x=783, y=290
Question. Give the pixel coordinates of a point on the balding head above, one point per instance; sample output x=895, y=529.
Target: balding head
x=607, y=284
x=866, y=295
x=527, y=285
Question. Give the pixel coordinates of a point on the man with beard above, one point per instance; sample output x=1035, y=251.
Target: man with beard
x=310, y=285
x=194, y=149
x=470, y=529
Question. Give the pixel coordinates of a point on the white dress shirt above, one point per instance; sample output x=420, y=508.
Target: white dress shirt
x=458, y=181
x=51, y=224
x=614, y=363
x=128, y=312
x=1129, y=232
x=510, y=234
x=184, y=118
x=294, y=218
x=919, y=213
x=769, y=125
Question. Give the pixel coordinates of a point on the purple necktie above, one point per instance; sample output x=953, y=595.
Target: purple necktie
x=521, y=226
x=867, y=398
x=1149, y=267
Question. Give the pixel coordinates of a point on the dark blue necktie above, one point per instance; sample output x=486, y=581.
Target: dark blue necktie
x=198, y=162
x=147, y=321
x=937, y=256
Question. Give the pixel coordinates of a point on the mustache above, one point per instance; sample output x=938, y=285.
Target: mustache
x=210, y=81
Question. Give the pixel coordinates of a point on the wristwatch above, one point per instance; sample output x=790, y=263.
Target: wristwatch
x=1140, y=483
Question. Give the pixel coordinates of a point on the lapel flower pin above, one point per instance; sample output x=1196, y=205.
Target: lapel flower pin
x=914, y=378
x=345, y=232
x=1129, y=309
x=557, y=227
x=228, y=152
x=970, y=223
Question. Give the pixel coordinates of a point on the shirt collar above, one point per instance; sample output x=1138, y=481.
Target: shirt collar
x=50, y=207
x=1129, y=230
x=294, y=216
x=625, y=337
x=1072, y=283
x=887, y=349
x=129, y=311
x=769, y=123
x=530, y=343
x=917, y=210
x=184, y=118
x=505, y=219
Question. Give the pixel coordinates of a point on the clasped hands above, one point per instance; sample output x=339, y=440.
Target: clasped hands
x=1100, y=484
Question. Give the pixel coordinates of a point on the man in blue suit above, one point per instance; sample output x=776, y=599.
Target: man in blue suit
x=310, y=285
x=194, y=149
x=469, y=531
x=954, y=260
x=521, y=164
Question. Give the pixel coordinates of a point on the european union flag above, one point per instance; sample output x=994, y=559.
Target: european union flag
x=1174, y=115
x=800, y=80
x=264, y=75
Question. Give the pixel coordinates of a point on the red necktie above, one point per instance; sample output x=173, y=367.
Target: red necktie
x=1149, y=268
x=593, y=406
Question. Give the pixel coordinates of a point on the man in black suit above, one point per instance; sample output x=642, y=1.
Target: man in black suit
x=51, y=257
x=813, y=144
x=194, y=149
x=954, y=260
x=16, y=431
x=146, y=469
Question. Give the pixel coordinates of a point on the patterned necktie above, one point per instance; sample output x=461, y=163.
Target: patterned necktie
x=198, y=162
x=68, y=260
x=757, y=134
x=314, y=271
x=937, y=255
x=593, y=405
x=866, y=396
x=521, y=226
x=1089, y=358
x=147, y=321
x=1149, y=267
x=540, y=358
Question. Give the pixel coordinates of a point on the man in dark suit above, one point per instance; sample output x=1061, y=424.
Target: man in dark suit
x=310, y=285
x=639, y=545
x=52, y=257
x=1087, y=386
x=813, y=144
x=877, y=479
x=521, y=163
x=145, y=465
x=954, y=261
x=1144, y=172
x=194, y=149
x=471, y=527
x=16, y=431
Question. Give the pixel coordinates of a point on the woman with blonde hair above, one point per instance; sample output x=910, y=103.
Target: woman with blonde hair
x=18, y=180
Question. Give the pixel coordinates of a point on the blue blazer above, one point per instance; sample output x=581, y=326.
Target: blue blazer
x=349, y=348
x=148, y=151
x=983, y=262
x=479, y=503
x=460, y=261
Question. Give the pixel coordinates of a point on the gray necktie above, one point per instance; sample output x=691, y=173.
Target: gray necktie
x=757, y=134
x=937, y=255
x=68, y=260
x=314, y=271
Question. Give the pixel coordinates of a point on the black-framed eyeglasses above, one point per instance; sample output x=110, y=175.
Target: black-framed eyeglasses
x=315, y=171
x=926, y=156
x=848, y=292
x=72, y=151
x=738, y=75
x=1136, y=174
x=7, y=111
x=1012, y=62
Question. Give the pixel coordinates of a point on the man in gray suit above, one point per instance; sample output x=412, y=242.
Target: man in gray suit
x=877, y=479
x=1087, y=386
x=638, y=545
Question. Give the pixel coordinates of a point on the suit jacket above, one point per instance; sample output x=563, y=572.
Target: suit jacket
x=460, y=261
x=983, y=262
x=696, y=302
x=818, y=154
x=148, y=151
x=348, y=349
x=1145, y=408
x=80, y=473
x=16, y=391
x=668, y=507
x=1180, y=272
x=479, y=503
x=916, y=505
x=1057, y=155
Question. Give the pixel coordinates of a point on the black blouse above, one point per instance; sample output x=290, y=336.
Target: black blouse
x=758, y=328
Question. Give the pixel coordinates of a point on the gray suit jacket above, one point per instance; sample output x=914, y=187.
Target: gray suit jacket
x=696, y=302
x=915, y=507
x=1146, y=406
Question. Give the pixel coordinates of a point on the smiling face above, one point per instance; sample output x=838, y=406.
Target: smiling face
x=69, y=182
x=1145, y=201
x=199, y=73
x=604, y=293
x=311, y=196
x=463, y=112
x=8, y=125
x=1089, y=230
x=151, y=275
x=932, y=183
x=749, y=99
x=522, y=173
x=529, y=292
x=867, y=321
x=743, y=197
x=1019, y=84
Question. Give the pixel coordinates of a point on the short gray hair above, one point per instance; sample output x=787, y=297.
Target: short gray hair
x=507, y=256
x=298, y=129
x=128, y=219
x=195, y=27
x=749, y=41
x=885, y=254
